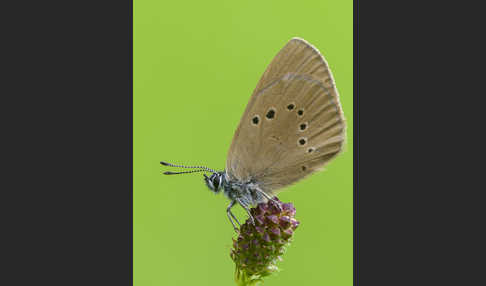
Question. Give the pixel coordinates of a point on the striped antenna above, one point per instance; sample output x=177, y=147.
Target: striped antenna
x=201, y=168
x=185, y=172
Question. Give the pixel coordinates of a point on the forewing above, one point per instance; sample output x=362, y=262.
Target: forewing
x=293, y=124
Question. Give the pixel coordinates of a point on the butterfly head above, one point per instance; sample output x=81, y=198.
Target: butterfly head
x=214, y=182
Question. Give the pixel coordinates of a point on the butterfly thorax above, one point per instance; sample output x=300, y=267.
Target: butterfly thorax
x=244, y=192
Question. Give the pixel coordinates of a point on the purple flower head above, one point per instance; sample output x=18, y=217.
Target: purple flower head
x=288, y=232
x=259, y=219
x=273, y=218
x=289, y=208
x=295, y=223
x=258, y=247
x=266, y=237
x=262, y=207
x=275, y=231
x=285, y=221
x=260, y=229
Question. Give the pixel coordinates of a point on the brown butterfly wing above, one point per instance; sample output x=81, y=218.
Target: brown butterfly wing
x=293, y=124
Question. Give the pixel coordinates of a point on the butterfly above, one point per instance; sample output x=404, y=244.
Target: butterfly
x=292, y=127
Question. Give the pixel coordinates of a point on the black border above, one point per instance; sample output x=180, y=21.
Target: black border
x=67, y=110
x=356, y=141
x=130, y=139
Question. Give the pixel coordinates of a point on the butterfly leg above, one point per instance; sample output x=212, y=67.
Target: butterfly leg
x=243, y=205
x=231, y=215
x=275, y=202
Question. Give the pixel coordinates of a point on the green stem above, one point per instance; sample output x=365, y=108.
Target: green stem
x=242, y=278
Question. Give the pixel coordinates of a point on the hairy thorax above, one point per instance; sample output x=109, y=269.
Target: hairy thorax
x=246, y=192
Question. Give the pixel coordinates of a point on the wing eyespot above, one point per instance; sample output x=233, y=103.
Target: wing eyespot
x=290, y=107
x=270, y=113
x=255, y=120
x=300, y=112
x=302, y=141
x=303, y=126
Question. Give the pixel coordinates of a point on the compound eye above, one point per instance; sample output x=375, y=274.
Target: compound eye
x=215, y=180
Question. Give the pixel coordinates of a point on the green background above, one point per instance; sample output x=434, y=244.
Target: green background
x=195, y=66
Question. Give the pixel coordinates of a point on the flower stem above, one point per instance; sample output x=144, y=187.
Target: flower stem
x=242, y=279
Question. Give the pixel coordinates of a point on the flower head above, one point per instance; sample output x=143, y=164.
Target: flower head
x=259, y=246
